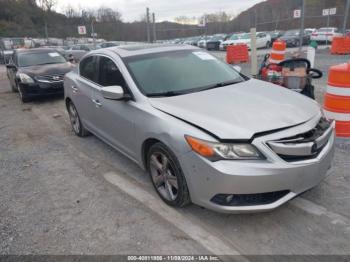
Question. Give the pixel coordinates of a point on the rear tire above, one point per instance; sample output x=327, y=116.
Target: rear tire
x=167, y=176
x=75, y=121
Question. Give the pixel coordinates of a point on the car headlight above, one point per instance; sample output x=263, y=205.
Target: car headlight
x=25, y=79
x=224, y=151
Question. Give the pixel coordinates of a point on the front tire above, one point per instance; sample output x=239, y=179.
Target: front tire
x=167, y=176
x=75, y=121
x=23, y=97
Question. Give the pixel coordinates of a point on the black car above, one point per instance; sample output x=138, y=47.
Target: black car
x=292, y=38
x=37, y=72
x=275, y=35
x=215, y=41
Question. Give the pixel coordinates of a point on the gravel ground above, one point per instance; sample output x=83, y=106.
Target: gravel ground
x=55, y=200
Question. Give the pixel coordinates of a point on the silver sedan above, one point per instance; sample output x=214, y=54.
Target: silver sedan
x=205, y=133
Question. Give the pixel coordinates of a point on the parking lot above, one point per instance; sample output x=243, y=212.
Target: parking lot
x=61, y=194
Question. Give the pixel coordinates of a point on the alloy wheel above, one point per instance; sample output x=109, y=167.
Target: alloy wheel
x=163, y=176
x=74, y=118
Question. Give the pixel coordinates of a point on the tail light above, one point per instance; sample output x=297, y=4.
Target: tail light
x=314, y=34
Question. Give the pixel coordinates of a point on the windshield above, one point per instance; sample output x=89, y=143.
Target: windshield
x=179, y=72
x=274, y=33
x=293, y=32
x=244, y=36
x=240, y=36
x=324, y=30
x=216, y=38
x=32, y=59
x=234, y=37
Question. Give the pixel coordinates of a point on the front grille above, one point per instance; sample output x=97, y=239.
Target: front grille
x=303, y=146
x=248, y=199
x=50, y=78
x=211, y=45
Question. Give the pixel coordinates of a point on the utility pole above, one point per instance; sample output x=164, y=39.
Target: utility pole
x=148, y=26
x=254, y=55
x=346, y=15
x=328, y=24
x=154, y=27
x=205, y=28
x=46, y=32
x=93, y=32
x=302, y=19
x=277, y=21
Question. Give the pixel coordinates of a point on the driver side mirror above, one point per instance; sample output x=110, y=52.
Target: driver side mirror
x=10, y=66
x=113, y=92
x=237, y=68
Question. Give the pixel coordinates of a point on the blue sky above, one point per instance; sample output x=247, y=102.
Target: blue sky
x=164, y=9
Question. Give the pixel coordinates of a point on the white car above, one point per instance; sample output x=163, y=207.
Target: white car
x=203, y=42
x=263, y=40
x=325, y=34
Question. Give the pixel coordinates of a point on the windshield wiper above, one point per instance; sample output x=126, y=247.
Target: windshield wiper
x=221, y=84
x=52, y=63
x=182, y=92
x=169, y=93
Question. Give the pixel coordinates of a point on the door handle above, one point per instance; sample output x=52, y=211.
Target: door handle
x=75, y=89
x=97, y=103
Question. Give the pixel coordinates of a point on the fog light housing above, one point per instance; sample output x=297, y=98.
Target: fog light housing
x=229, y=198
x=248, y=199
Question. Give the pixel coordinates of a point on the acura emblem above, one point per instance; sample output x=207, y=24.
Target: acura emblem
x=56, y=78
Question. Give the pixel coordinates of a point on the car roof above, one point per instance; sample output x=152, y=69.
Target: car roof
x=34, y=50
x=143, y=49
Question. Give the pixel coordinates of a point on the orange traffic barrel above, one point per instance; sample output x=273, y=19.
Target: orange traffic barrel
x=337, y=98
x=278, y=52
x=340, y=45
x=237, y=54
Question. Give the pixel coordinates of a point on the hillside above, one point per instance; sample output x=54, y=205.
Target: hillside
x=23, y=18
x=277, y=14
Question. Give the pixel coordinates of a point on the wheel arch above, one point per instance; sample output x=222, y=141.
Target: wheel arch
x=67, y=101
x=146, y=145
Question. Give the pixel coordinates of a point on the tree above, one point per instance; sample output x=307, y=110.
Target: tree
x=31, y=2
x=71, y=12
x=47, y=5
x=108, y=15
x=185, y=20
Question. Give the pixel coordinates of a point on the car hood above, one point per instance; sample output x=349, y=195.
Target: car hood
x=242, y=110
x=239, y=41
x=53, y=69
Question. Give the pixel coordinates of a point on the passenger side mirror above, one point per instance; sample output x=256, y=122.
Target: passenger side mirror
x=113, y=92
x=237, y=68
